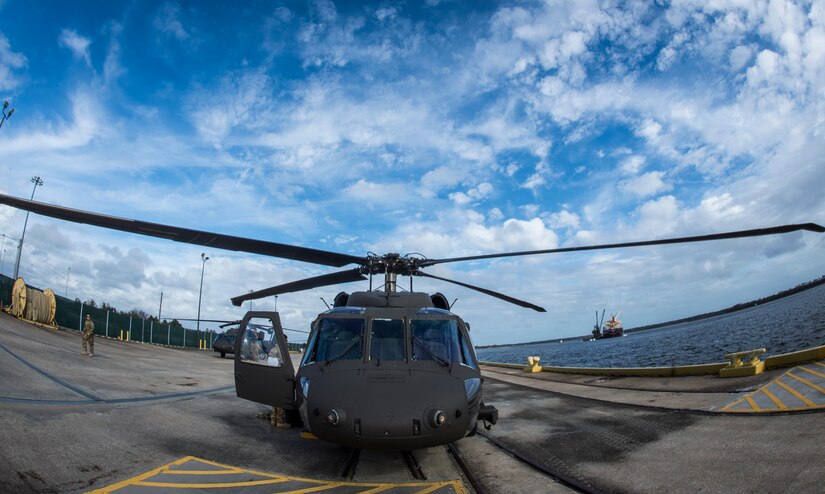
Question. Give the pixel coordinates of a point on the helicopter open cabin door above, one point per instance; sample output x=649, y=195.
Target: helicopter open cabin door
x=263, y=368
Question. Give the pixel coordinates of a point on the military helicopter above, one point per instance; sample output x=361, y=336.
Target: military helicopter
x=383, y=368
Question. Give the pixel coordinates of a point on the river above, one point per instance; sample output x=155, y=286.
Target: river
x=789, y=324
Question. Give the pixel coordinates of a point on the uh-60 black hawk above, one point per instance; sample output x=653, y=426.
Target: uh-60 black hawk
x=383, y=368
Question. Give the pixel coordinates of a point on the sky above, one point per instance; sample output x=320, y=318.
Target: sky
x=444, y=128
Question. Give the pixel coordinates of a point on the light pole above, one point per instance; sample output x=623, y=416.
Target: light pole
x=204, y=258
x=37, y=182
x=3, y=248
x=8, y=115
x=66, y=292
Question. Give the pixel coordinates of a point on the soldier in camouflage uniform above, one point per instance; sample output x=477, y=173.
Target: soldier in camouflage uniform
x=89, y=336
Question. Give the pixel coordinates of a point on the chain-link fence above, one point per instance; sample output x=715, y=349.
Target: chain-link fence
x=70, y=314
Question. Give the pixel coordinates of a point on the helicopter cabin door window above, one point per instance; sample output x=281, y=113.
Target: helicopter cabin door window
x=260, y=345
x=263, y=368
x=436, y=339
x=387, y=340
x=337, y=339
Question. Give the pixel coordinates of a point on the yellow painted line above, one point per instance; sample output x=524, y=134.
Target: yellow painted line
x=431, y=489
x=378, y=489
x=752, y=403
x=808, y=383
x=318, y=488
x=819, y=364
x=144, y=480
x=740, y=400
x=773, y=398
x=176, y=485
x=813, y=371
x=795, y=393
x=205, y=472
x=151, y=473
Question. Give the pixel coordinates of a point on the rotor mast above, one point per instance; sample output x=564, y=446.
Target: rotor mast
x=390, y=273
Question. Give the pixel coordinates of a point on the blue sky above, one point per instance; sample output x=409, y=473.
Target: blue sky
x=440, y=127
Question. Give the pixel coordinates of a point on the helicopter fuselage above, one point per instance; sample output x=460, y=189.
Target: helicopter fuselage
x=399, y=374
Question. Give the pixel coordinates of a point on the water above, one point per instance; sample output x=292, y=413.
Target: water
x=793, y=323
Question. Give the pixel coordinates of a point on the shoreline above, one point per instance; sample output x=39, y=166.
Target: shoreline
x=707, y=315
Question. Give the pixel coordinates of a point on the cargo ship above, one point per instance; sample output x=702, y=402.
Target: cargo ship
x=612, y=328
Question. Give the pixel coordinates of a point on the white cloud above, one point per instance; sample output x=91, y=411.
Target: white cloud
x=10, y=62
x=740, y=57
x=371, y=194
x=658, y=217
x=443, y=176
x=474, y=194
x=632, y=165
x=84, y=127
x=565, y=219
x=648, y=184
x=167, y=21
x=79, y=45
x=513, y=234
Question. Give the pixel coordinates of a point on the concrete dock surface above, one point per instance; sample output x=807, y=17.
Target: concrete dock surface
x=146, y=418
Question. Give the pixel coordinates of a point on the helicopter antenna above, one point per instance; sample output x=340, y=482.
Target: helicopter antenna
x=325, y=303
x=452, y=304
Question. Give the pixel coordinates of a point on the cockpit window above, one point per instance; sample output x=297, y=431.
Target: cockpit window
x=337, y=339
x=466, y=352
x=387, y=340
x=436, y=339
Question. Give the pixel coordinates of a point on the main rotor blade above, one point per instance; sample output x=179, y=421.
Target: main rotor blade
x=506, y=298
x=191, y=319
x=305, y=284
x=185, y=235
x=811, y=227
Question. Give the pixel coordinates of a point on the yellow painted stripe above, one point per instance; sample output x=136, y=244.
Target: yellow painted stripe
x=752, y=403
x=819, y=364
x=248, y=483
x=152, y=473
x=246, y=470
x=796, y=393
x=317, y=488
x=808, y=383
x=812, y=372
x=740, y=400
x=773, y=398
x=432, y=488
x=144, y=480
x=204, y=472
x=380, y=488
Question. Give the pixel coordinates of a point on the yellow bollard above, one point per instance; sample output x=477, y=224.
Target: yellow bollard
x=742, y=364
x=127, y=336
x=121, y=335
x=533, y=364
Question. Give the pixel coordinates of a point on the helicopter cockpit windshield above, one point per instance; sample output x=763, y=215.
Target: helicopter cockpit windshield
x=440, y=340
x=336, y=339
